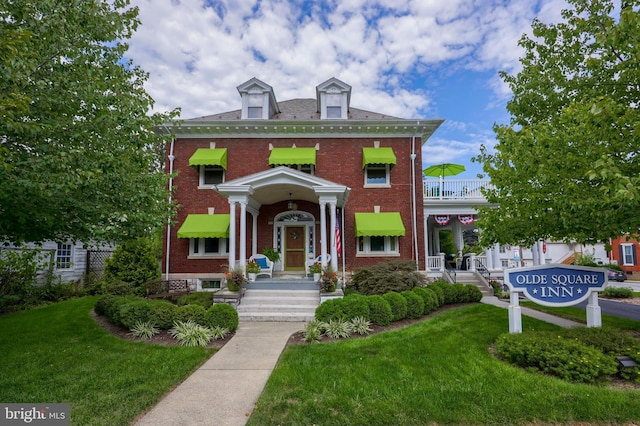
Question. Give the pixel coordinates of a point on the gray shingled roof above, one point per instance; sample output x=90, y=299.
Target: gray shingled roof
x=298, y=109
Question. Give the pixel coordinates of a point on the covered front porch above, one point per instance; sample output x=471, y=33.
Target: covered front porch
x=290, y=211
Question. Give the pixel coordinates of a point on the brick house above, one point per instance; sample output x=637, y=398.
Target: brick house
x=292, y=175
x=625, y=252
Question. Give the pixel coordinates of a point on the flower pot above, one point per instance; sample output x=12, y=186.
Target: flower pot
x=252, y=276
x=316, y=277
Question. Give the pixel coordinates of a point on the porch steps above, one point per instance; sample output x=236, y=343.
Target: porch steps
x=278, y=305
x=466, y=277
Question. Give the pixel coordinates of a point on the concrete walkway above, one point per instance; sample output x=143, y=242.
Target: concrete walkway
x=492, y=300
x=224, y=390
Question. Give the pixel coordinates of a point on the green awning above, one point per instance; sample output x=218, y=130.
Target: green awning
x=205, y=226
x=378, y=156
x=209, y=157
x=287, y=156
x=379, y=225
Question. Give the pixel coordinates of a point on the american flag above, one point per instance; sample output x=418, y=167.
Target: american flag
x=338, y=243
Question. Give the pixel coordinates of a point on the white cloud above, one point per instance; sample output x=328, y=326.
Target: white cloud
x=197, y=52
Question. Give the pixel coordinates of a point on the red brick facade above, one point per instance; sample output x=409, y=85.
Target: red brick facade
x=339, y=159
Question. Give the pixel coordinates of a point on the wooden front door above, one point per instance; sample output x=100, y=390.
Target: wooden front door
x=294, y=248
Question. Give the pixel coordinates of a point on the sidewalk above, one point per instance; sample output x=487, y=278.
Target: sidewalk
x=224, y=390
x=492, y=300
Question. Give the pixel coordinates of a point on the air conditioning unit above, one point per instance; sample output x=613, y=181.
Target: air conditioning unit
x=614, y=262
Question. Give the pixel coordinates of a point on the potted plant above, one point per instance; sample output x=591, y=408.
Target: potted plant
x=328, y=280
x=271, y=253
x=235, y=278
x=316, y=270
x=252, y=270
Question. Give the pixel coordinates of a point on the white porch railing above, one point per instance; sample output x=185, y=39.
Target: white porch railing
x=455, y=189
x=435, y=263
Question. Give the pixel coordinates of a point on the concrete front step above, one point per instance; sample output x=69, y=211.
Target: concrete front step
x=470, y=278
x=279, y=305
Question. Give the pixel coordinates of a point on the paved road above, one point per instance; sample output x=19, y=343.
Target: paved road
x=619, y=309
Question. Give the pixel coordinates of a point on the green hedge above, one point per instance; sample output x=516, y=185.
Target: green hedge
x=384, y=277
x=126, y=311
x=379, y=310
x=354, y=306
x=415, y=304
x=568, y=359
x=222, y=315
x=398, y=305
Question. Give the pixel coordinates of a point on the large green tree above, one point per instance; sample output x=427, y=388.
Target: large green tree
x=567, y=165
x=78, y=154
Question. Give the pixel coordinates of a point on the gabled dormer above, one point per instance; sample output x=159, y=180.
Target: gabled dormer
x=258, y=100
x=333, y=97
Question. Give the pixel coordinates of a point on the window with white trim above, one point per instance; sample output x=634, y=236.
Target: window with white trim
x=64, y=256
x=305, y=168
x=627, y=254
x=378, y=245
x=334, y=105
x=376, y=175
x=211, y=175
x=208, y=247
x=254, y=106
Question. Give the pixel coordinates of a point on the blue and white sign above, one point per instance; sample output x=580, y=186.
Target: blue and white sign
x=556, y=285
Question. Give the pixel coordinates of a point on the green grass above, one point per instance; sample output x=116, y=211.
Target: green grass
x=58, y=354
x=580, y=315
x=438, y=371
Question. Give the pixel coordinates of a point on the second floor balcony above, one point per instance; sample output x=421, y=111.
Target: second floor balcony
x=455, y=189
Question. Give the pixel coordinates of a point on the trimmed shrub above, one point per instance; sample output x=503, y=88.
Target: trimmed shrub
x=610, y=341
x=379, y=310
x=195, y=313
x=436, y=287
x=415, y=304
x=133, y=262
x=384, y=277
x=618, y=292
x=202, y=298
x=331, y=309
x=398, y=305
x=162, y=314
x=567, y=359
x=354, y=306
x=427, y=297
x=101, y=304
x=474, y=294
x=136, y=311
x=433, y=302
x=223, y=315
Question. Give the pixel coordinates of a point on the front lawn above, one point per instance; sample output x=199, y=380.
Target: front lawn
x=58, y=354
x=438, y=371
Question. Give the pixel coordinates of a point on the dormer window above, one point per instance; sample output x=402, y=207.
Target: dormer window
x=258, y=100
x=333, y=97
x=334, y=105
x=254, y=106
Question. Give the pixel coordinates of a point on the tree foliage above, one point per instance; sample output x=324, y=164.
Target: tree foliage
x=566, y=166
x=78, y=154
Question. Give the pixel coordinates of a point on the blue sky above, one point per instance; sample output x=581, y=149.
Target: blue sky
x=410, y=59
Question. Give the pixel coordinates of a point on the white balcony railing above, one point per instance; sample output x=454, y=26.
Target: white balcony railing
x=455, y=189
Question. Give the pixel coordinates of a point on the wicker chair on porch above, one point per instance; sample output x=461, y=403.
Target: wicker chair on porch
x=266, y=266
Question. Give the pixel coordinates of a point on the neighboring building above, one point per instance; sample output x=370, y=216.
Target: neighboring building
x=624, y=251
x=68, y=261
x=292, y=175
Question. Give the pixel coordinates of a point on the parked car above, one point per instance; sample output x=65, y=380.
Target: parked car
x=615, y=275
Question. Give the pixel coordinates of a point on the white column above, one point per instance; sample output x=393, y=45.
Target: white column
x=323, y=232
x=515, y=314
x=594, y=315
x=497, y=262
x=254, y=233
x=472, y=262
x=426, y=242
x=232, y=233
x=334, y=252
x=436, y=241
x=489, y=253
x=535, y=254
x=243, y=232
